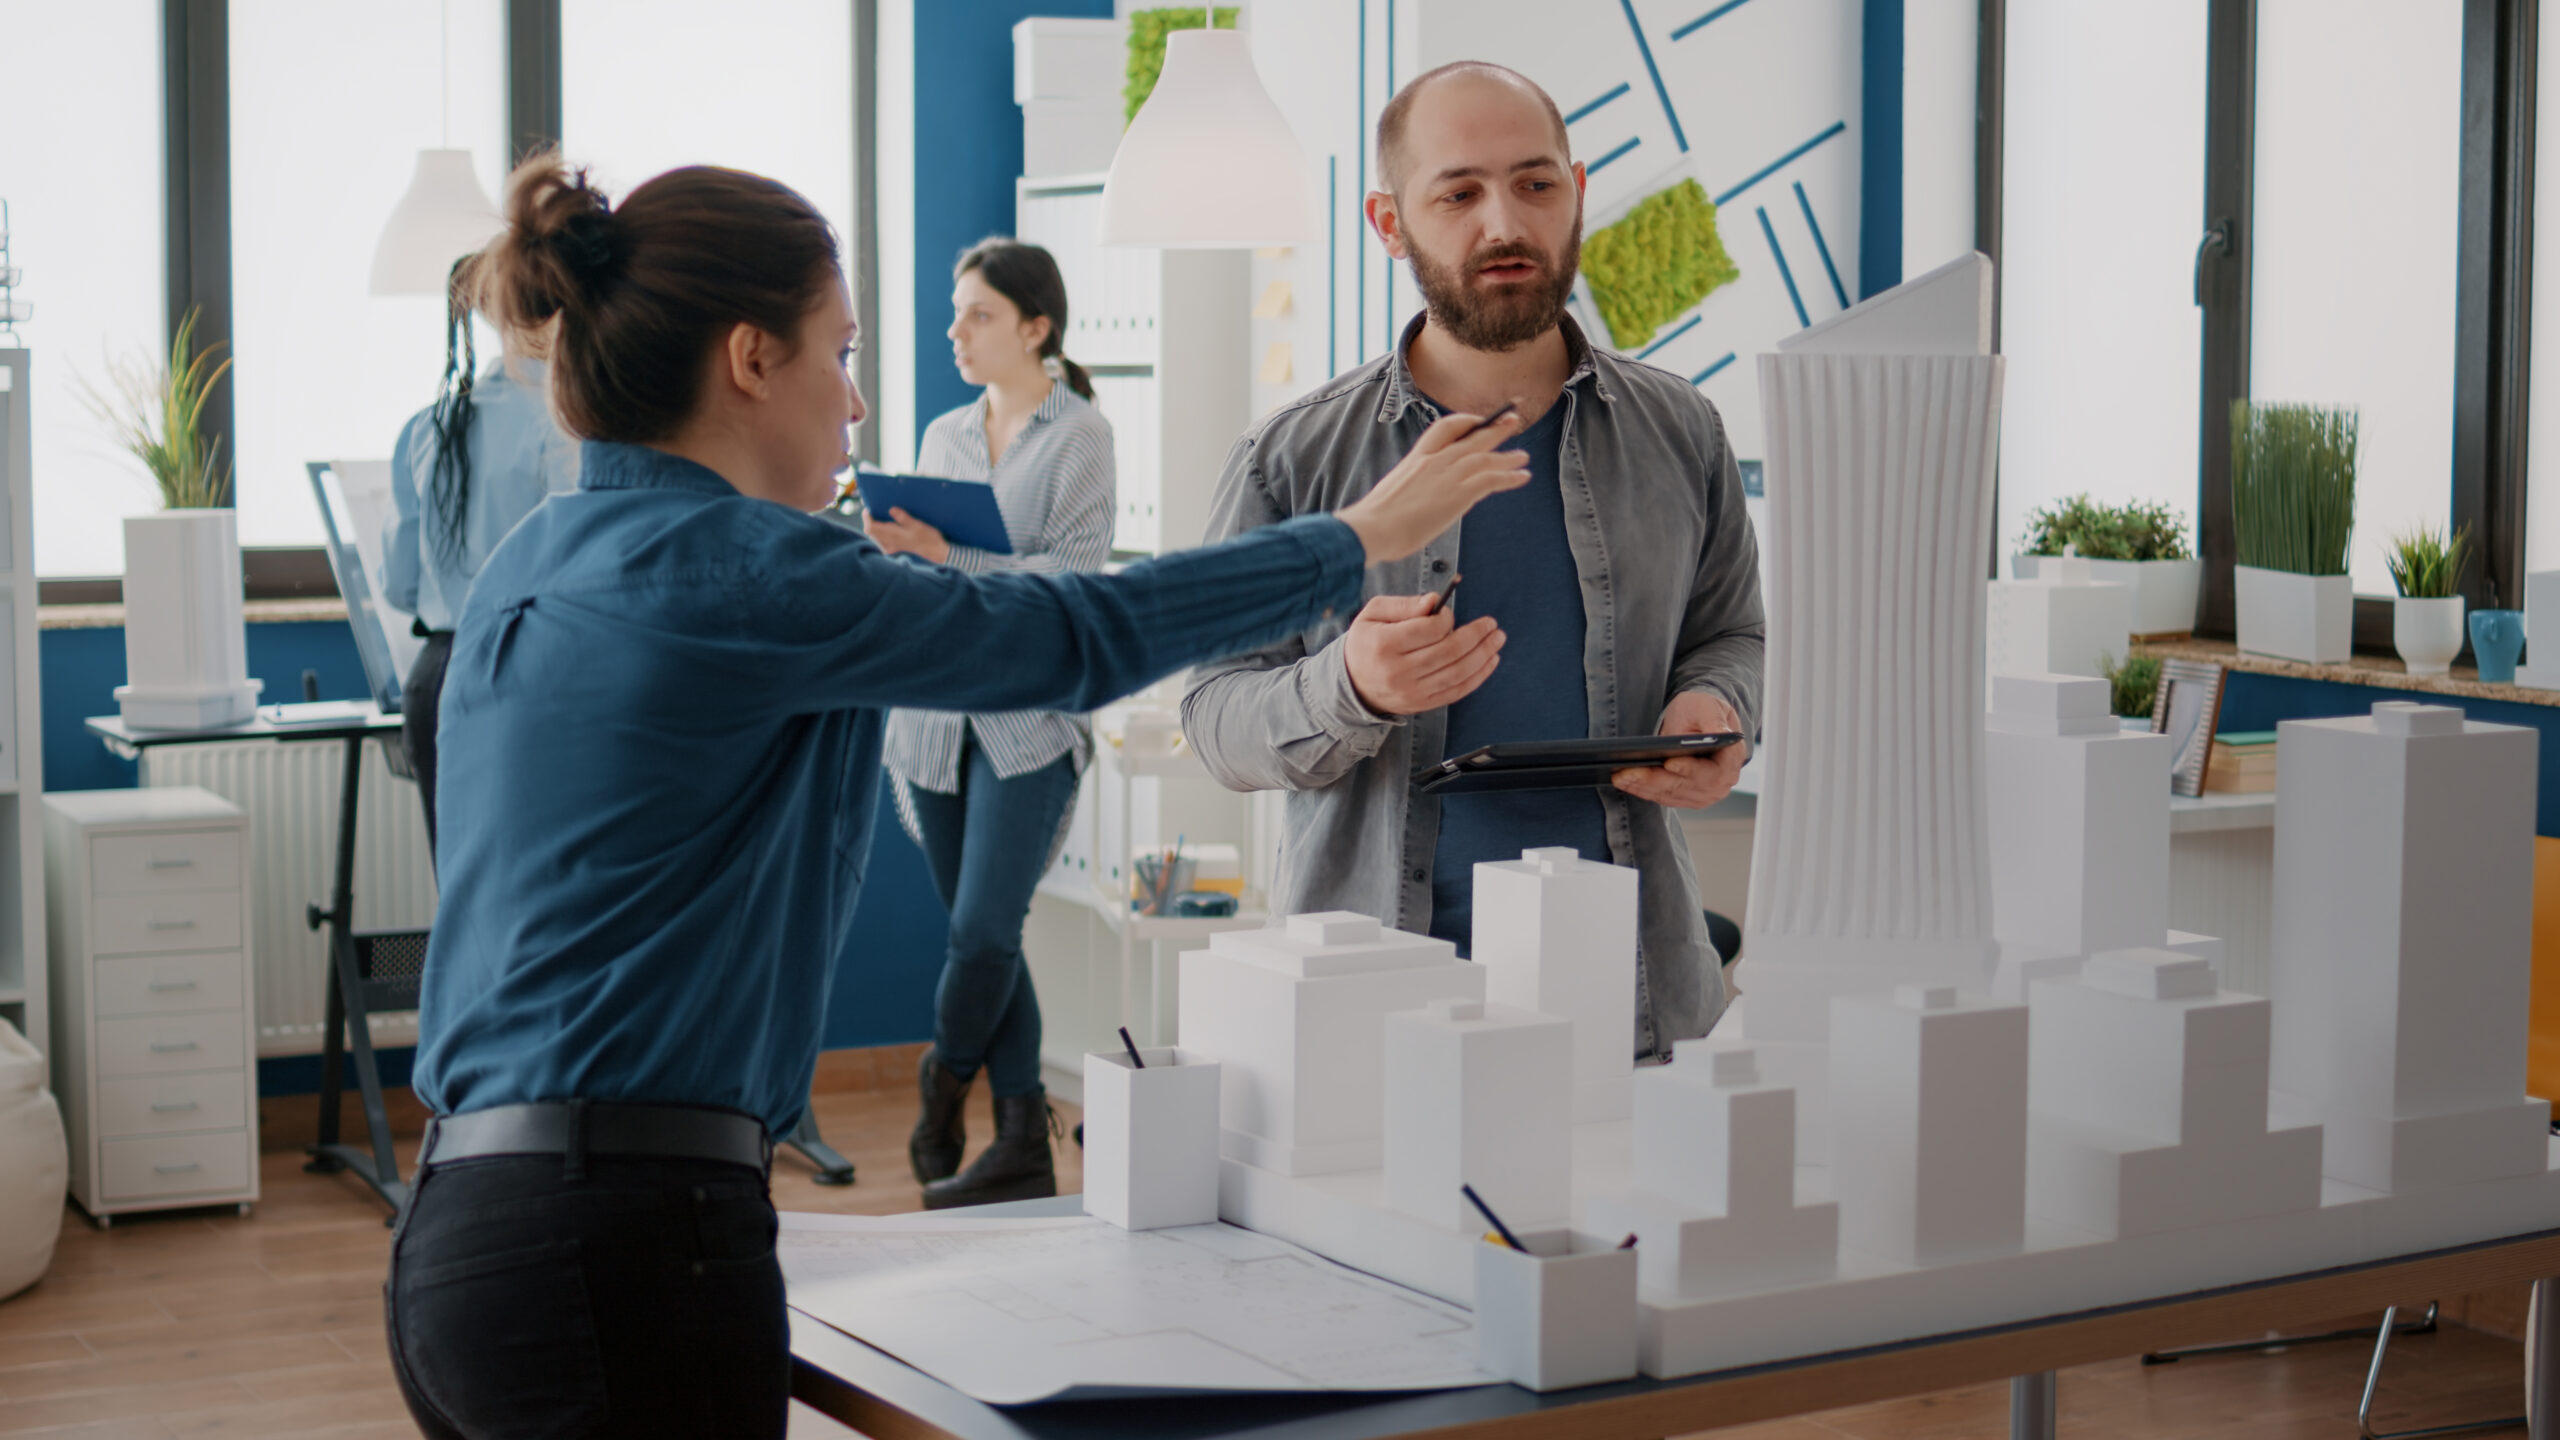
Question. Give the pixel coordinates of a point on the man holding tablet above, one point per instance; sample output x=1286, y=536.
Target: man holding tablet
x=1616, y=594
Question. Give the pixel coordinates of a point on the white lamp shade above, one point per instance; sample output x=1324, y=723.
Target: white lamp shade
x=1210, y=163
x=445, y=216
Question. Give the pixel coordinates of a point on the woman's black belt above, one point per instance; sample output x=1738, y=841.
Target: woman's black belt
x=575, y=1129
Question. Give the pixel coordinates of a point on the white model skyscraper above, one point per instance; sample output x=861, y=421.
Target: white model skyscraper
x=2079, y=820
x=1871, y=863
x=1556, y=933
x=2403, y=944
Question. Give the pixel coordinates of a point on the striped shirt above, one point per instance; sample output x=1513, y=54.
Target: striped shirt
x=1055, y=487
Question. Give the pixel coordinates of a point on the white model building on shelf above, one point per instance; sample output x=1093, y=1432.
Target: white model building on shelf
x=2147, y=1087
x=1929, y=1124
x=1480, y=1095
x=2541, y=670
x=1870, y=864
x=1295, y=1016
x=1556, y=933
x=2079, y=820
x=2403, y=938
x=1714, y=1203
x=2064, y=621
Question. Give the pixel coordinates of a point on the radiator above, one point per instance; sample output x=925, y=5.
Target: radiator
x=290, y=791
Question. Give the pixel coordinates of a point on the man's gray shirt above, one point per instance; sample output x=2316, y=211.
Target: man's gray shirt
x=1670, y=578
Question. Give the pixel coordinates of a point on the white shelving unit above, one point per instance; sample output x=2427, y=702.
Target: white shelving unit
x=23, y=995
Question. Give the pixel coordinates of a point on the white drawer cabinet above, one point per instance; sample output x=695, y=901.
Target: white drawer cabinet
x=155, y=1054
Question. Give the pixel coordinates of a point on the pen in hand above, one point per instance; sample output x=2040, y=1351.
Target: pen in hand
x=1489, y=419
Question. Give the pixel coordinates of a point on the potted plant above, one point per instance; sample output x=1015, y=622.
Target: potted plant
x=2139, y=545
x=2133, y=683
x=2426, y=621
x=185, y=651
x=2293, y=503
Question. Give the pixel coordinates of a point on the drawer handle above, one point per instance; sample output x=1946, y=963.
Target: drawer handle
x=159, y=1047
x=167, y=1108
x=187, y=1169
x=173, y=924
x=163, y=987
x=173, y=864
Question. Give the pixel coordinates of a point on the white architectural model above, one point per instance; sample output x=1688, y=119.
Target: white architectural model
x=1929, y=1124
x=1556, y=933
x=2064, y=621
x=1714, y=1205
x=2541, y=670
x=1295, y=1015
x=2403, y=944
x=1151, y=1139
x=2148, y=1087
x=1870, y=866
x=2079, y=820
x=1480, y=1095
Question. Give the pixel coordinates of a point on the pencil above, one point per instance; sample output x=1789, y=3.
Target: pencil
x=1134, y=1057
x=1487, y=1212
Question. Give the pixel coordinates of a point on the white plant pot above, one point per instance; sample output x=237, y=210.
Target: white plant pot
x=2164, y=591
x=2427, y=633
x=2310, y=618
x=185, y=652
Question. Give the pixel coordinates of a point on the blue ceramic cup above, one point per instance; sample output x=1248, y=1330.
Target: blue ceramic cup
x=2497, y=637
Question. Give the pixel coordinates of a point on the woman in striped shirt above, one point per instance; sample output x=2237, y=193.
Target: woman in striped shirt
x=987, y=796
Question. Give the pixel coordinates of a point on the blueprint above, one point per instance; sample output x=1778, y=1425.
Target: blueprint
x=1016, y=1311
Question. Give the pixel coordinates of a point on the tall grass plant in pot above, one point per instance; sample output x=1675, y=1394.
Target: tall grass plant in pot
x=185, y=649
x=2293, y=503
x=2426, y=619
x=2141, y=545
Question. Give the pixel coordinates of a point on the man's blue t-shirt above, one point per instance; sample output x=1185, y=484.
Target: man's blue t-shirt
x=1518, y=568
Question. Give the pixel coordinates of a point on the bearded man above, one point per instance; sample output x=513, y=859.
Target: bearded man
x=1616, y=594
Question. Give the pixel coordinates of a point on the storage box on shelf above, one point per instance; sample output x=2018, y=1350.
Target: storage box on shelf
x=155, y=1038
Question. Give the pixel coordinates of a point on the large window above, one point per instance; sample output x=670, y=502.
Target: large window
x=648, y=85
x=2542, y=432
x=330, y=105
x=2103, y=182
x=2357, y=206
x=80, y=145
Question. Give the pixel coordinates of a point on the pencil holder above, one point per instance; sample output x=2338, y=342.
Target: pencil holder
x=1151, y=1139
x=1560, y=1314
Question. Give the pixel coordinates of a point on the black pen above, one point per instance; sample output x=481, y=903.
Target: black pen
x=1489, y=419
x=1486, y=1211
x=1134, y=1057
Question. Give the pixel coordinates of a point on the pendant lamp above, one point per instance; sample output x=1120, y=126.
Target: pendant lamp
x=1210, y=163
x=445, y=216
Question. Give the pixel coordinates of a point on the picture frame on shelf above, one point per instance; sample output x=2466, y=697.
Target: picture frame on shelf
x=2188, y=709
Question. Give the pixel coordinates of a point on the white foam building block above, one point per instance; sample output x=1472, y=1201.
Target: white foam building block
x=2402, y=957
x=2541, y=670
x=2147, y=1089
x=2061, y=622
x=1151, y=1139
x=2079, y=820
x=2021, y=966
x=1556, y=934
x=1295, y=1015
x=1714, y=1204
x=1870, y=865
x=1929, y=1124
x=1479, y=1095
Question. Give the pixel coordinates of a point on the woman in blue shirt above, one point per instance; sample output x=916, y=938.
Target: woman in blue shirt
x=986, y=796
x=663, y=719
x=489, y=452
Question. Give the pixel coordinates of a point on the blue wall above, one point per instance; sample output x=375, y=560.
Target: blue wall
x=968, y=136
x=2257, y=702
x=884, y=980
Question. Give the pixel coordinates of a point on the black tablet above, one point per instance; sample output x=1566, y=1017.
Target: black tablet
x=1558, y=764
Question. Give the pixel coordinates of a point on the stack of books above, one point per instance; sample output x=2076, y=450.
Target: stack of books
x=2244, y=763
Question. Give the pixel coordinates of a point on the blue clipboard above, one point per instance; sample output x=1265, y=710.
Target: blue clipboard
x=963, y=510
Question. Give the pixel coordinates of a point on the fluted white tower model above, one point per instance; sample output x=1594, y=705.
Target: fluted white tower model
x=1871, y=867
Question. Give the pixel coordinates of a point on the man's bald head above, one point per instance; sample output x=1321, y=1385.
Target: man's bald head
x=1393, y=160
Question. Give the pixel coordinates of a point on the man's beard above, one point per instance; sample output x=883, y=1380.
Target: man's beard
x=1503, y=317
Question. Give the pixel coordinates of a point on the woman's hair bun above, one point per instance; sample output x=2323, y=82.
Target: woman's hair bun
x=560, y=247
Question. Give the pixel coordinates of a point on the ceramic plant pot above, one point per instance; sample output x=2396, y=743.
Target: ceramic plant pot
x=2427, y=633
x=185, y=652
x=2310, y=618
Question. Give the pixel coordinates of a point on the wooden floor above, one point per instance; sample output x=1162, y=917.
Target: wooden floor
x=210, y=1324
